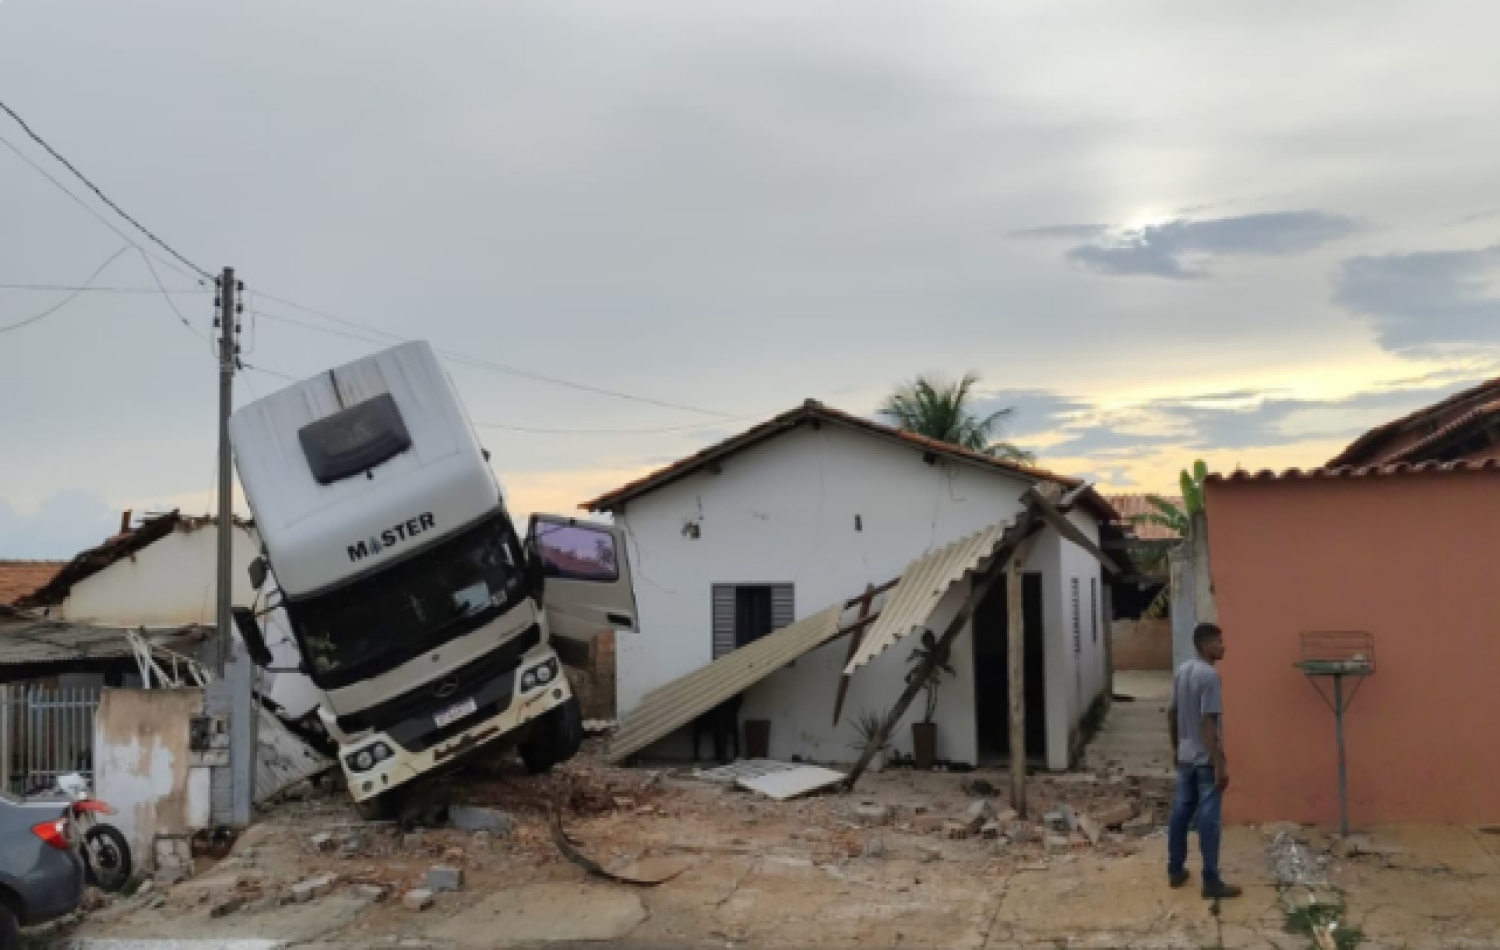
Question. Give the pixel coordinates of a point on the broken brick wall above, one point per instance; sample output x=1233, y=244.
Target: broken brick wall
x=594, y=684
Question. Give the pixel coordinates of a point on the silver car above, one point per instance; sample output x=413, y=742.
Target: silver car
x=41, y=874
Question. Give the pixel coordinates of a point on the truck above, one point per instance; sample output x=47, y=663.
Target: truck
x=425, y=626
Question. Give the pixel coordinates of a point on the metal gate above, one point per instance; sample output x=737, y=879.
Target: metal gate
x=45, y=731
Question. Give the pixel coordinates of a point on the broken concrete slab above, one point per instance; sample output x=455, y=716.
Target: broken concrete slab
x=225, y=907
x=872, y=813
x=1115, y=815
x=443, y=877
x=304, y=891
x=1089, y=829
x=981, y=810
x=547, y=912
x=469, y=818
x=417, y=900
x=370, y=892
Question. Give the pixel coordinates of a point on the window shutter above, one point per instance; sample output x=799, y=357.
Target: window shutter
x=783, y=605
x=723, y=619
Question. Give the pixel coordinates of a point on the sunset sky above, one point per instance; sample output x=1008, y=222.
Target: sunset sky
x=1161, y=231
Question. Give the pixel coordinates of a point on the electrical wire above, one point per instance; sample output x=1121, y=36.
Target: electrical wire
x=536, y=431
x=60, y=288
x=102, y=196
x=91, y=211
x=66, y=300
x=463, y=359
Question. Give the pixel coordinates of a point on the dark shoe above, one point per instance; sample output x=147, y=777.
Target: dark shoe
x=1220, y=891
x=1179, y=878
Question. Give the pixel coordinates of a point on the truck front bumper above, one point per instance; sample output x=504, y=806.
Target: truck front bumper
x=380, y=761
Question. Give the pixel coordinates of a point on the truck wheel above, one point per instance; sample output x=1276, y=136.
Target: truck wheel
x=10, y=933
x=556, y=738
x=380, y=808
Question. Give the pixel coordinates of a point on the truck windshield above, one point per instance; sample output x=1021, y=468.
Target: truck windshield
x=394, y=614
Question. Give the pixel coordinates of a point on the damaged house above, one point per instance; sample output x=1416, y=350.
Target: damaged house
x=816, y=506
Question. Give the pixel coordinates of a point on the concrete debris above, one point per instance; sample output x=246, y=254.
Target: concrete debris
x=1356, y=845
x=1057, y=844
x=990, y=829
x=1054, y=819
x=982, y=810
x=875, y=847
x=872, y=813
x=304, y=891
x=1007, y=817
x=1069, y=817
x=1089, y=829
x=1114, y=816
x=979, y=788
x=956, y=830
x=441, y=877
x=1289, y=828
x=370, y=893
x=1139, y=827
x=482, y=819
x=322, y=841
x=453, y=855
x=1294, y=865
x=417, y=900
x=145, y=888
x=227, y=906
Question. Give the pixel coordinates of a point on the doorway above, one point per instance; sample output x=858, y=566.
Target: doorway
x=992, y=671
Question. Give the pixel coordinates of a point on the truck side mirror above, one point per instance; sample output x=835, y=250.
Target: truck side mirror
x=257, y=571
x=255, y=641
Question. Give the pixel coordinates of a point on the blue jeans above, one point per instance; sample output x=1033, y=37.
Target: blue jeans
x=1196, y=794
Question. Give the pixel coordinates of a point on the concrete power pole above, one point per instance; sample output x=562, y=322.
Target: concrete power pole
x=228, y=317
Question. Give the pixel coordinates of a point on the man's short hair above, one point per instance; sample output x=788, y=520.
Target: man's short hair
x=1205, y=632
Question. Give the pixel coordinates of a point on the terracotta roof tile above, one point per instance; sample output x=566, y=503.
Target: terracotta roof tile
x=814, y=410
x=20, y=578
x=1129, y=506
x=1363, y=449
x=1351, y=472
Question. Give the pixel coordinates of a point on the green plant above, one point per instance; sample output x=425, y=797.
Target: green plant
x=1176, y=518
x=1310, y=919
x=868, y=725
x=940, y=409
x=927, y=655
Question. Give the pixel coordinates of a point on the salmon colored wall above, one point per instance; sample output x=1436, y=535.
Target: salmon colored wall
x=1413, y=560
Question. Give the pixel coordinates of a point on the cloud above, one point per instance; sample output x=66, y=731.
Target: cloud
x=1033, y=411
x=1173, y=249
x=62, y=525
x=1426, y=303
x=1070, y=232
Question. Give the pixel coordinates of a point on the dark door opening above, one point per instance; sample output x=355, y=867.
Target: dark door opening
x=992, y=671
x=752, y=615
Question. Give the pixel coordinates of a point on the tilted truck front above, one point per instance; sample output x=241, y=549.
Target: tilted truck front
x=416, y=609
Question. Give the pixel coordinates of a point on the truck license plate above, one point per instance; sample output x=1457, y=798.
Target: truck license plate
x=454, y=713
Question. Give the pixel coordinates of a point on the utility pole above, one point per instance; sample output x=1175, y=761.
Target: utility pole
x=228, y=353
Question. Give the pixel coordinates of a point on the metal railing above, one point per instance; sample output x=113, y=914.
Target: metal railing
x=45, y=731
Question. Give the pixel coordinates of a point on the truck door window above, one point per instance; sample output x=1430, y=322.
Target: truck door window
x=577, y=552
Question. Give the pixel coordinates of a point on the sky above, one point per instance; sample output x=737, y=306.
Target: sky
x=1242, y=232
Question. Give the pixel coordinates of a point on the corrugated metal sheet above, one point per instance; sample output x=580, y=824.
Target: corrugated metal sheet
x=923, y=583
x=680, y=702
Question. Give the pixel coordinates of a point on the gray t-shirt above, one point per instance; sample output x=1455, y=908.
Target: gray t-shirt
x=1196, y=692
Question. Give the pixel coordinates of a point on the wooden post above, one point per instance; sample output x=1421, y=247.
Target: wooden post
x=1025, y=526
x=1107, y=612
x=855, y=639
x=1016, y=662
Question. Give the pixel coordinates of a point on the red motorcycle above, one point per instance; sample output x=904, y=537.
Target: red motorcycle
x=105, y=852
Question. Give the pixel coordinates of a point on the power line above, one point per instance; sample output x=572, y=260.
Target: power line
x=102, y=196
x=537, y=431
x=463, y=359
x=85, y=206
x=60, y=288
x=66, y=300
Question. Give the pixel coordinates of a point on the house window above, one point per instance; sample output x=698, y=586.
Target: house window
x=1094, y=607
x=743, y=613
x=1077, y=623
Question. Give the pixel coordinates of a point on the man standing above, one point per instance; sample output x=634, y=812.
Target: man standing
x=1196, y=720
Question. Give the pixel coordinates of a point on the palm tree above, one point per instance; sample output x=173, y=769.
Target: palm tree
x=940, y=409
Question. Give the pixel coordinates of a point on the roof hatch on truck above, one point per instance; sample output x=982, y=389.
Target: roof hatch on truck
x=355, y=439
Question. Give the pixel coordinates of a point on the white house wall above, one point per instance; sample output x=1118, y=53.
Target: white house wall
x=785, y=511
x=171, y=582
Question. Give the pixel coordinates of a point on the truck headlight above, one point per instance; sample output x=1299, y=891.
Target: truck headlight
x=539, y=676
x=365, y=759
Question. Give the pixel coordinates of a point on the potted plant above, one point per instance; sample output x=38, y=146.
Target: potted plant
x=928, y=658
x=868, y=725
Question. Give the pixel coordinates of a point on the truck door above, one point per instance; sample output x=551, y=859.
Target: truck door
x=586, y=586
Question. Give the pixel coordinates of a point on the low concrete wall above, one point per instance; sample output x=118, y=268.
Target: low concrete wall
x=1142, y=644
x=144, y=767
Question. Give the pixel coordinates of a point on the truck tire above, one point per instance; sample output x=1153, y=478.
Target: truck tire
x=556, y=738
x=10, y=931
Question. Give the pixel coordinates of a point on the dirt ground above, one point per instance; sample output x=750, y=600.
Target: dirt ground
x=903, y=861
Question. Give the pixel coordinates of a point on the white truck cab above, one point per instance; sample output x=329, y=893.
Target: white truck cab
x=424, y=622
